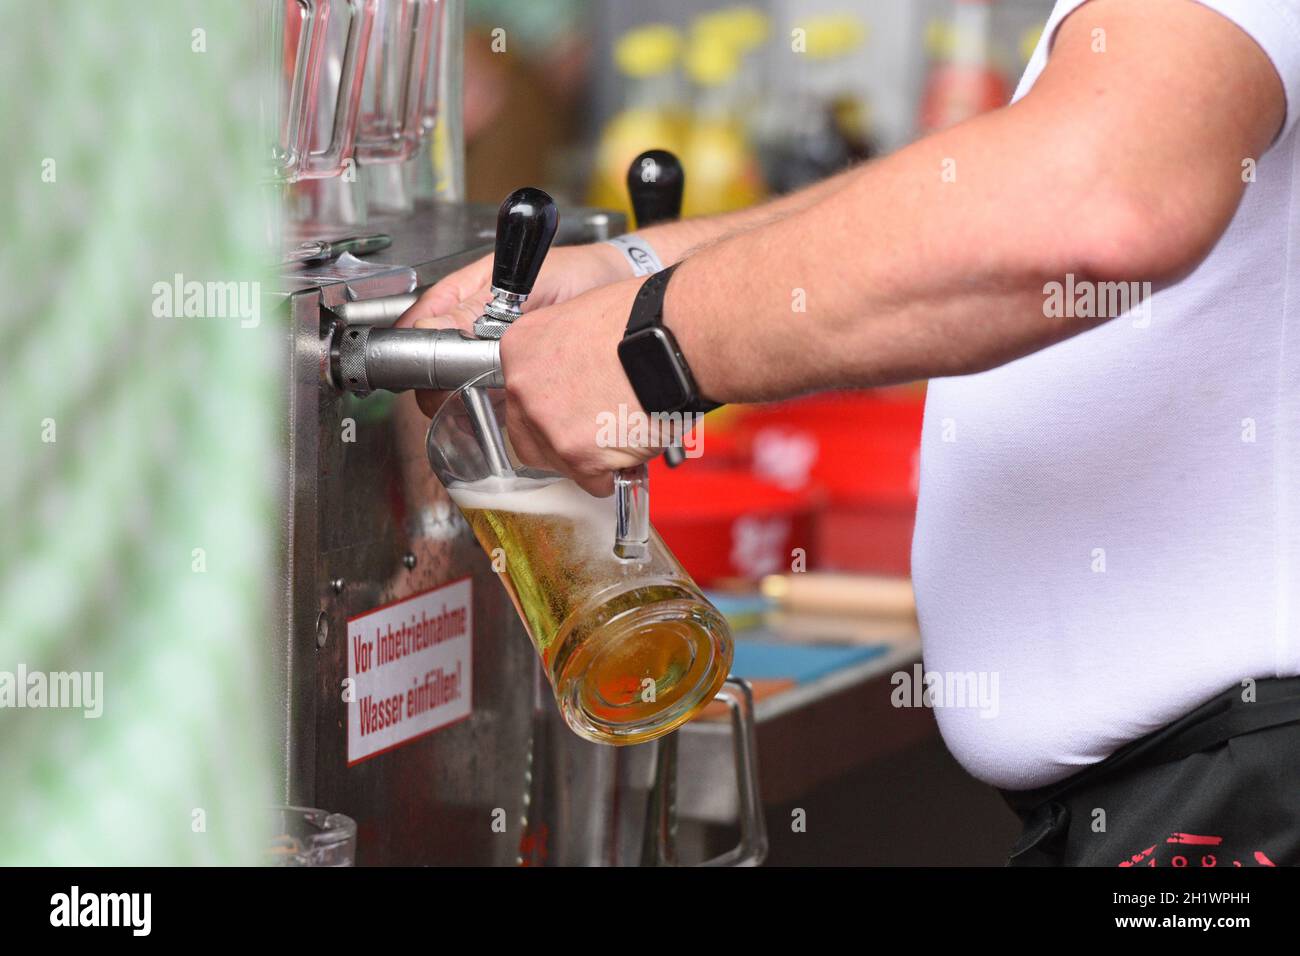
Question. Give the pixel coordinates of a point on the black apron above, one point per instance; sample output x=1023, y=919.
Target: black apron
x=1218, y=787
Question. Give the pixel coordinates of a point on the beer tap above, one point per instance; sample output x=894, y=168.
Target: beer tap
x=526, y=225
x=655, y=183
x=365, y=358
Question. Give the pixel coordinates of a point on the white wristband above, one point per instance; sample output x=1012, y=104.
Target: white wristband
x=639, y=253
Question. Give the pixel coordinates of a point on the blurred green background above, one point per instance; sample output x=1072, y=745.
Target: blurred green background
x=137, y=493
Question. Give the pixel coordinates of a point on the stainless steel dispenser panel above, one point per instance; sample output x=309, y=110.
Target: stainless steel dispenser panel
x=367, y=523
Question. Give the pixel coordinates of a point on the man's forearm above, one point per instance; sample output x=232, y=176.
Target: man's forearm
x=933, y=261
x=891, y=279
x=674, y=241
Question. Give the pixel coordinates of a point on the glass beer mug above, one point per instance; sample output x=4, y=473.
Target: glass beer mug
x=631, y=646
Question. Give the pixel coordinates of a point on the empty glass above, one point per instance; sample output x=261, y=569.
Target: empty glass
x=397, y=68
x=293, y=37
x=304, y=836
x=333, y=116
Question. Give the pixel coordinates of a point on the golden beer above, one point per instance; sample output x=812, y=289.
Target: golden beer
x=632, y=649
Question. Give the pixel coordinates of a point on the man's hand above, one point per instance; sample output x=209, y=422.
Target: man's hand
x=458, y=299
x=568, y=271
x=564, y=379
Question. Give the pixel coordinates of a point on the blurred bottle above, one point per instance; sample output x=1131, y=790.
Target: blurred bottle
x=745, y=29
x=723, y=173
x=1029, y=43
x=823, y=124
x=964, y=79
x=653, y=115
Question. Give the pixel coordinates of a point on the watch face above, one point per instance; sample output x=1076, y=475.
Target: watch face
x=650, y=360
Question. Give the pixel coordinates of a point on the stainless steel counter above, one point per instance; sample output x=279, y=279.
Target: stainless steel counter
x=434, y=241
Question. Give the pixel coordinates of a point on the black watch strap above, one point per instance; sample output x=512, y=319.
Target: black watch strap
x=648, y=311
x=648, y=308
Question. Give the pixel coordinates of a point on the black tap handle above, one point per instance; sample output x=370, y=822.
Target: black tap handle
x=526, y=225
x=655, y=181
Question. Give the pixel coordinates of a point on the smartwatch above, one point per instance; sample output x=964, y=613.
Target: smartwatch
x=651, y=358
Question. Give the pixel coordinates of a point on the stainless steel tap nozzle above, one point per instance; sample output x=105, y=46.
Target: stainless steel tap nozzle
x=364, y=358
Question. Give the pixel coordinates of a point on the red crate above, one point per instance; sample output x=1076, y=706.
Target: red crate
x=726, y=523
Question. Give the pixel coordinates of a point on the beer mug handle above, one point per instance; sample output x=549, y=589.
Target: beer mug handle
x=752, y=848
x=632, y=513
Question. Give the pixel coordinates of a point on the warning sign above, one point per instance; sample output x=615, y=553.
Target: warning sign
x=410, y=665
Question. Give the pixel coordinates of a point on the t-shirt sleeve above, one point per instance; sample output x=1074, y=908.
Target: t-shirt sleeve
x=1273, y=24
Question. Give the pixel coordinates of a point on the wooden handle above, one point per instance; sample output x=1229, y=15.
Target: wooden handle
x=852, y=594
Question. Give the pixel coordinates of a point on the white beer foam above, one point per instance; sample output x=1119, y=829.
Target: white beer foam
x=557, y=497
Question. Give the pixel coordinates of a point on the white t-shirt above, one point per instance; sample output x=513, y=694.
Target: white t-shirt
x=1108, y=532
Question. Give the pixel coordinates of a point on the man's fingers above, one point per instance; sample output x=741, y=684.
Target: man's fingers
x=530, y=448
x=435, y=301
x=463, y=285
x=601, y=486
x=430, y=401
x=533, y=449
x=460, y=316
x=431, y=306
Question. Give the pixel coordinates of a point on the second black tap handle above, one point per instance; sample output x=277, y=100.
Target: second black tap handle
x=526, y=224
x=655, y=181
